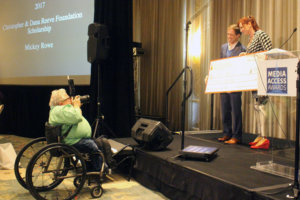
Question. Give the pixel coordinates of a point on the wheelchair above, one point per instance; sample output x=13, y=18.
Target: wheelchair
x=58, y=171
x=24, y=156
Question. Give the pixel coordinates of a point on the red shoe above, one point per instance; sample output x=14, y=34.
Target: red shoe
x=262, y=144
x=257, y=139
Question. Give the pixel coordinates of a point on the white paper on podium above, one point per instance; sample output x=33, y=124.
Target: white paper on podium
x=232, y=74
x=277, y=76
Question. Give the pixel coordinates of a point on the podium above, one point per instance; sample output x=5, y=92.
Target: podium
x=277, y=73
x=277, y=77
x=272, y=73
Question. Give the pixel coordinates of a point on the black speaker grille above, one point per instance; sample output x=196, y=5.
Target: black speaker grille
x=151, y=134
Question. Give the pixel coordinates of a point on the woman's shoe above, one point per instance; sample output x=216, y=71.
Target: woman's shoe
x=257, y=139
x=262, y=144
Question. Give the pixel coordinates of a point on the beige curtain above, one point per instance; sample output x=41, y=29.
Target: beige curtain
x=199, y=43
x=159, y=26
x=276, y=17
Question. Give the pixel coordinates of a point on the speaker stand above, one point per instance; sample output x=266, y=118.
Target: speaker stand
x=99, y=121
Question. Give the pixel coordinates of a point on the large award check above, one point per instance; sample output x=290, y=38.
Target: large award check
x=232, y=75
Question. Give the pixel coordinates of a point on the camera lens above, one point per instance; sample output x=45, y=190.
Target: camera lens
x=85, y=99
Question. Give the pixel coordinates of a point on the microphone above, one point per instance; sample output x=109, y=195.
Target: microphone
x=295, y=29
x=188, y=25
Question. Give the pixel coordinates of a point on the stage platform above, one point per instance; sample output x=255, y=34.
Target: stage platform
x=227, y=176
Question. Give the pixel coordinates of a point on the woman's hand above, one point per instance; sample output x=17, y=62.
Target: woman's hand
x=76, y=102
x=243, y=54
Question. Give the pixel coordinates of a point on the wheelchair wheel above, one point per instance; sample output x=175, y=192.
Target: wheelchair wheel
x=52, y=177
x=77, y=181
x=97, y=191
x=24, y=157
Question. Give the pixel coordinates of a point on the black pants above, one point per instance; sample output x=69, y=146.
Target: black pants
x=232, y=114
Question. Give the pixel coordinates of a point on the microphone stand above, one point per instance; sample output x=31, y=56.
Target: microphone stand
x=185, y=97
x=295, y=29
x=183, y=105
x=184, y=86
x=296, y=172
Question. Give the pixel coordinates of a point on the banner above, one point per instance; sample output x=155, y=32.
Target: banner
x=277, y=77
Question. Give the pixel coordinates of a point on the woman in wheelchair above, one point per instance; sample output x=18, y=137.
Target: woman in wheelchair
x=60, y=169
x=75, y=129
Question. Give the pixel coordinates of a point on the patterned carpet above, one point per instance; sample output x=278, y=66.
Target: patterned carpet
x=119, y=188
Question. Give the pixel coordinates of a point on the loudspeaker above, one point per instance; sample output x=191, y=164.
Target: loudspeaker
x=151, y=134
x=98, y=43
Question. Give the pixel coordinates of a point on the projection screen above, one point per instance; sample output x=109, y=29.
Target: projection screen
x=42, y=42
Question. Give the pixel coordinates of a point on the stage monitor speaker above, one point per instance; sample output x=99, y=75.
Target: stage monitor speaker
x=151, y=134
x=98, y=44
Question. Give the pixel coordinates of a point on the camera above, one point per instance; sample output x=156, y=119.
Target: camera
x=85, y=99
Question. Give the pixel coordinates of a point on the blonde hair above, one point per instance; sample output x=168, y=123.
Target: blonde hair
x=58, y=96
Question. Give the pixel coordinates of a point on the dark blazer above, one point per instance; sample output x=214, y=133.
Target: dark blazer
x=236, y=51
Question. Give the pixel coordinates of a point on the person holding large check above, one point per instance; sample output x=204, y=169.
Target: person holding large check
x=258, y=41
x=231, y=101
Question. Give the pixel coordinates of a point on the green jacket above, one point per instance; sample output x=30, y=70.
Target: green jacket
x=67, y=116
